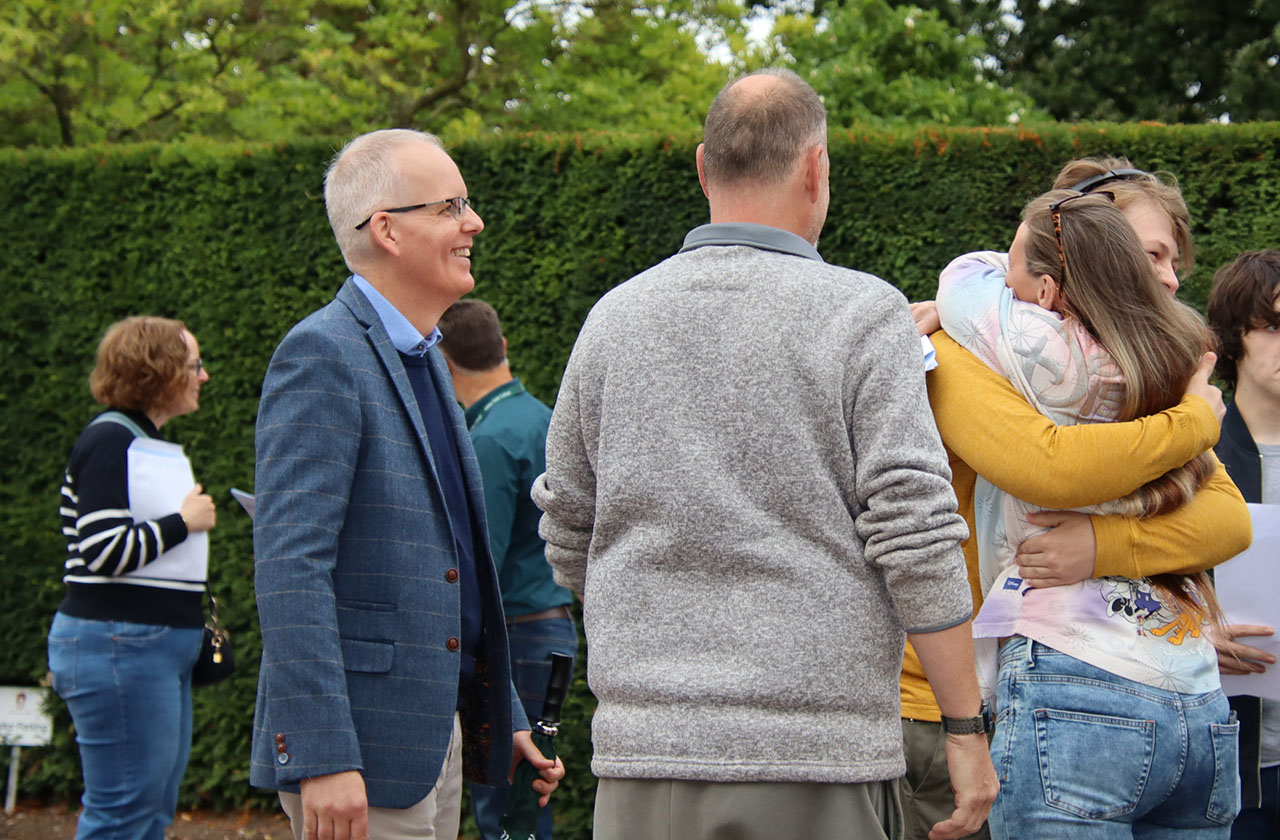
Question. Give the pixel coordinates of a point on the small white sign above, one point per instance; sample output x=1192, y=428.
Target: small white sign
x=23, y=722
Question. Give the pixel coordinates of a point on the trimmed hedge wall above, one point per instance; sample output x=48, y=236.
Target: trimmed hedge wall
x=234, y=241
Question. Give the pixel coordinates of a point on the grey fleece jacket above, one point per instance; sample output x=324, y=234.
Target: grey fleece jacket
x=744, y=478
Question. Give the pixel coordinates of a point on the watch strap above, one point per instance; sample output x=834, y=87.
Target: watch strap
x=980, y=723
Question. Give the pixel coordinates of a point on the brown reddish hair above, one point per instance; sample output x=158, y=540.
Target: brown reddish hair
x=142, y=363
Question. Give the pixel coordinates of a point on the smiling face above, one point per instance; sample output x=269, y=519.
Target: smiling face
x=436, y=247
x=1155, y=230
x=188, y=399
x=186, y=394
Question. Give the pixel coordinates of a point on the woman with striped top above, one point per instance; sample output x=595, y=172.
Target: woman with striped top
x=128, y=631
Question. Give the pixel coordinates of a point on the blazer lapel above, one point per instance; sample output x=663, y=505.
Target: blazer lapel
x=364, y=312
x=386, y=352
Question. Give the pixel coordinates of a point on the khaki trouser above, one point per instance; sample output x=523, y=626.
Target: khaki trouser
x=662, y=809
x=926, y=789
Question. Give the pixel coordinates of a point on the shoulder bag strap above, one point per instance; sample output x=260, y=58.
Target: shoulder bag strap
x=120, y=419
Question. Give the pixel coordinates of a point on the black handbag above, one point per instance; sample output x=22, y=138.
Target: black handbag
x=216, y=660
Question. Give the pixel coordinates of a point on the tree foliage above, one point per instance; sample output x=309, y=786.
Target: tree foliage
x=622, y=66
x=880, y=64
x=110, y=70
x=123, y=70
x=1166, y=60
x=74, y=73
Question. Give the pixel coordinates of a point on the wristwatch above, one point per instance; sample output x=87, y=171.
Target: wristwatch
x=983, y=723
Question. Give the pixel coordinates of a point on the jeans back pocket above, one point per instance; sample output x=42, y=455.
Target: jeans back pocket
x=1224, y=796
x=1093, y=766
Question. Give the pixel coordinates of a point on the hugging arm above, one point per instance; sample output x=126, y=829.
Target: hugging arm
x=1024, y=453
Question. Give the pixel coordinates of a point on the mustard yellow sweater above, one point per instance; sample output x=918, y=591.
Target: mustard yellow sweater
x=990, y=429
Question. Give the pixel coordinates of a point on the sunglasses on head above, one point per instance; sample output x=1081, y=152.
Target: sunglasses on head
x=1055, y=213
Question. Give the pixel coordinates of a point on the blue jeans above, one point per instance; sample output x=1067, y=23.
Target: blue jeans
x=1084, y=753
x=1261, y=823
x=531, y=644
x=128, y=688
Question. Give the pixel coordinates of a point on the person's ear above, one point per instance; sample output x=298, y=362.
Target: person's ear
x=702, y=172
x=1048, y=294
x=815, y=172
x=385, y=236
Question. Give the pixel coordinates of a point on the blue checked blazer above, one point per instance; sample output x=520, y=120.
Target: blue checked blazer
x=355, y=571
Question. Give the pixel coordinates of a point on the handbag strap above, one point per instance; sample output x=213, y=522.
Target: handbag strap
x=122, y=419
x=213, y=611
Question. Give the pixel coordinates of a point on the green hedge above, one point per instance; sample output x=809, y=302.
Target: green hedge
x=234, y=241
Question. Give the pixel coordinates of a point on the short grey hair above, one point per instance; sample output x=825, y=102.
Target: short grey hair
x=759, y=136
x=363, y=179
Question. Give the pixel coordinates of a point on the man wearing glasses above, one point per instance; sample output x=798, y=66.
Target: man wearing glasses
x=385, y=673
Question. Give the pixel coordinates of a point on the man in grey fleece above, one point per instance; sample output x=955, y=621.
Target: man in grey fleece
x=745, y=483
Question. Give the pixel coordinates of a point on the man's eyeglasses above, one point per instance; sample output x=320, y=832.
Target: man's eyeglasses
x=457, y=206
x=196, y=366
x=1055, y=213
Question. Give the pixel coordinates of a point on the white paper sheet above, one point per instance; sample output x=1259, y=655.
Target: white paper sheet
x=245, y=499
x=1248, y=587
x=159, y=479
x=930, y=354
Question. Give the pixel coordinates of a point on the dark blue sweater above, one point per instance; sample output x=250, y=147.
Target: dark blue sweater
x=462, y=519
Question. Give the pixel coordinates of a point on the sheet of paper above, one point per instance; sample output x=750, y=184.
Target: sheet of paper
x=245, y=499
x=159, y=479
x=1248, y=587
x=930, y=354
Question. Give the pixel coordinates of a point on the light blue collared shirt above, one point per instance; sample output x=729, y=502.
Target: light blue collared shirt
x=404, y=335
x=751, y=235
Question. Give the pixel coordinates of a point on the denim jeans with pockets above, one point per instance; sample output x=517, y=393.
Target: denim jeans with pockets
x=1084, y=753
x=128, y=688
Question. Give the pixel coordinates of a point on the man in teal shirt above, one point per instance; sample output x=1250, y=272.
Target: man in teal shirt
x=509, y=432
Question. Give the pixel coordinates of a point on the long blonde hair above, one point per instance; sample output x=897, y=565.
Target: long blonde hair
x=1106, y=282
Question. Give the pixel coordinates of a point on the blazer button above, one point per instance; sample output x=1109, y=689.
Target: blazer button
x=282, y=758
x=279, y=737
x=453, y=643
x=281, y=748
x=451, y=575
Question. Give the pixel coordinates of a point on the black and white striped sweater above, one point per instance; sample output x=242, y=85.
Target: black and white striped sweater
x=104, y=543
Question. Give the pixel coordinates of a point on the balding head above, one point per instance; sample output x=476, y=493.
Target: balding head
x=759, y=127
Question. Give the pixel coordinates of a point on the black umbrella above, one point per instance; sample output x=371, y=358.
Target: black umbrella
x=521, y=820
